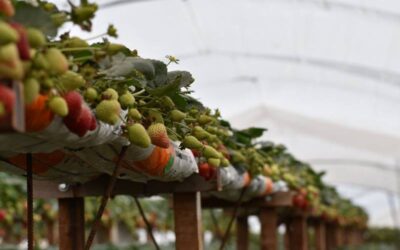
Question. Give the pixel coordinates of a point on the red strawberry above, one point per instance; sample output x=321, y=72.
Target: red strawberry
x=7, y=98
x=298, y=200
x=23, y=43
x=93, y=123
x=74, y=101
x=3, y=214
x=82, y=124
x=196, y=153
x=212, y=173
x=6, y=8
x=204, y=170
x=158, y=135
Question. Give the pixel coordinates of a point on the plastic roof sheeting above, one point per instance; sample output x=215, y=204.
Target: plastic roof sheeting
x=322, y=75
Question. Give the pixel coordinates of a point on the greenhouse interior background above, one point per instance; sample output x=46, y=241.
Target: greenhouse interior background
x=323, y=76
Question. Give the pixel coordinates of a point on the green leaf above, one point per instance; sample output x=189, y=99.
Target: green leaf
x=169, y=89
x=31, y=16
x=186, y=77
x=179, y=101
x=254, y=132
x=160, y=74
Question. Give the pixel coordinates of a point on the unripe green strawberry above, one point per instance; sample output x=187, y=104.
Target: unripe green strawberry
x=108, y=111
x=31, y=90
x=126, y=100
x=110, y=94
x=238, y=157
x=10, y=65
x=204, y=119
x=215, y=162
x=191, y=142
x=83, y=13
x=90, y=94
x=57, y=62
x=210, y=152
x=75, y=42
x=36, y=38
x=156, y=116
x=8, y=53
x=8, y=34
x=114, y=48
x=158, y=135
x=70, y=81
x=177, y=115
x=138, y=136
x=40, y=62
x=225, y=162
x=59, y=18
x=211, y=129
x=134, y=114
x=58, y=106
x=200, y=133
x=167, y=102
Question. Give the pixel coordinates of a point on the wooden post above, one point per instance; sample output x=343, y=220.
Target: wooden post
x=269, y=222
x=242, y=233
x=187, y=216
x=320, y=235
x=50, y=232
x=331, y=239
x=298, y=234
x=71, y=223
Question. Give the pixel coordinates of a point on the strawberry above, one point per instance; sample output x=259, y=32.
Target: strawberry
x=196, y=153
x=23, y=43
x=93, y=123
x=134, y=114
x=75, y=42
x=7, y=98
x=167, y=102
x=200, y=133
x=74, y=103
x=215, y=162
x=6, y=8
x=90, y=94
x=177, y=115
x=82, y=124
x=155, y=116
x=10, y=65
x=8, y=34
x=31, y=90
x=138, y=135
x=108, y=111
x=36, y=38
x=225, y=162
x=204, y=170
x=58, y=106
x=191, y=142
x=57, y=62
x=70, y=81
x=158, y=135
x=126, y=100
x=204, y=119
x=212, y=173
x=210, y=152
x=114, y=48
x=3, y=214
x=110, y=94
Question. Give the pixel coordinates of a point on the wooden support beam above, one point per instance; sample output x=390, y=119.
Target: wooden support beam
x=242, y=233
x=194, y=183
x=298, y=234
x=269, y=223
x=71, y=223
x=320, y=235
x=188, y=226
